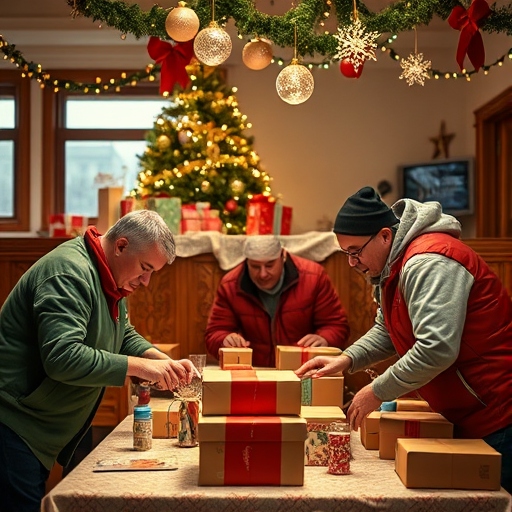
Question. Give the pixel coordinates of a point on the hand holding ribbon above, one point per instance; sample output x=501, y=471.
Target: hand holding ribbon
x=470, y=40
x=173, y=58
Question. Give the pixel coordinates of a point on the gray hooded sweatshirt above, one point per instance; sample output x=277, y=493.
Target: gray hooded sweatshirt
x=435, y=289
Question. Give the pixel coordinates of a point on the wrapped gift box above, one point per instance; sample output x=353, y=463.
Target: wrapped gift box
x=260, y=215
x=251, y=450
x=282, y=220
x=235, y=358
x=190, y=219
x=407, y=404
x=320, y=420
x=169, y=208
x=243, y=392
x=448, y=464
x=322, y=391
x=369, y=431
x=394, y=425
x=293, y=357
x=109, y=207
x=165, y=417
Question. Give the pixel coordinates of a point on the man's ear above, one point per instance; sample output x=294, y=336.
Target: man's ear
x=120, y=245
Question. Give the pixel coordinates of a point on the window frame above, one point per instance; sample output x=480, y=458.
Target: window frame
x=56, y=135
x=14, y=83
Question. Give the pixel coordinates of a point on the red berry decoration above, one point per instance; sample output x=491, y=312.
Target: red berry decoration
x=347, y=69
x=231, y=205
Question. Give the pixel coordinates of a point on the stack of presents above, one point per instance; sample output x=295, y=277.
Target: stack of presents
x=263, y=426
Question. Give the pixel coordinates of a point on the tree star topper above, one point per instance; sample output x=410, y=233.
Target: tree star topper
x=356, y=44
x=415, y=69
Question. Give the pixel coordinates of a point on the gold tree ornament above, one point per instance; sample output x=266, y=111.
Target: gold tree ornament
x=182, y=23
x=295, y=82
x=355, y=44
x=415, y=69
x=257, y=54
x=212, y=45
x=163, y=142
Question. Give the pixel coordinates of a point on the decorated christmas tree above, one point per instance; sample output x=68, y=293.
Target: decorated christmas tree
x=197, y=151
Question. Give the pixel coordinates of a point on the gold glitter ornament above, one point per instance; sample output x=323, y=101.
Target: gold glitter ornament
x=237, y=186
x=295, y=83
x=212, y=45
x=257, y=54
x=182, y=23
x=205, y=186
x=163, y=142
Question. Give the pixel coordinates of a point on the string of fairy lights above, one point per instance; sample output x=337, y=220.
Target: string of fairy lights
x=297, y=28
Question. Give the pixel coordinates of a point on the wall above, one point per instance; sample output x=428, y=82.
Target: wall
x=350, y=133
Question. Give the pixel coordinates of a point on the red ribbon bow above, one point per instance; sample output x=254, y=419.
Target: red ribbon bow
x=173, y=58
x=470, y=41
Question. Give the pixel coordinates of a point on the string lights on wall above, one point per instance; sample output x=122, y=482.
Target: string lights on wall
x=315, y=47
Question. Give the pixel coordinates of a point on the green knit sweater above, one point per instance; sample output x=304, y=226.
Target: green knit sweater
x=59, y=348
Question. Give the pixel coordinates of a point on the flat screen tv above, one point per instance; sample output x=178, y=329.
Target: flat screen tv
x=450, y=182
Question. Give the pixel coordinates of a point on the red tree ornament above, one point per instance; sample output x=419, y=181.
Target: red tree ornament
x=231, y=205
x=347, y=69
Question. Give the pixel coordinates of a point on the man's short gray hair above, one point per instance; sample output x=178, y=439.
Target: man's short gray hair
x=262, y=247
x=144, y=228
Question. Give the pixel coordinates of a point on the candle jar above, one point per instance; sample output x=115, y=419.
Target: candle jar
x=187, y=427
x=142, y=427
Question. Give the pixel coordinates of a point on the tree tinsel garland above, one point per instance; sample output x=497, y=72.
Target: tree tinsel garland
x=398, y=17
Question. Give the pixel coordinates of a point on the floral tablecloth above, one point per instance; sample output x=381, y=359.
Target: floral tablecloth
x=372, y=485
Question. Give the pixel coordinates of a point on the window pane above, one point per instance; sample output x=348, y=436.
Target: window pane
x=91, y=165
x=108, y=113
x=7, y=178
x=7, y=120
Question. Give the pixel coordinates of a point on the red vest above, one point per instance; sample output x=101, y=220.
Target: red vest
x=475, y=393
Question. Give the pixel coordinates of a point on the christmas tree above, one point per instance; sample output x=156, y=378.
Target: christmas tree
x=197, y=151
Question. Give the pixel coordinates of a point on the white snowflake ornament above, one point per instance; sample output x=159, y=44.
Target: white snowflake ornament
x=415, y=69
x=356, y=44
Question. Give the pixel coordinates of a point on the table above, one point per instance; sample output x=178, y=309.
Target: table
x=372, y=485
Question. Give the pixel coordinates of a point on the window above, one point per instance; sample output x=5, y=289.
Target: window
x=14, y=152
x=96, y=140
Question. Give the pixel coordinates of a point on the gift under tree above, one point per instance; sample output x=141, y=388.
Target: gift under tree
x=197, y=150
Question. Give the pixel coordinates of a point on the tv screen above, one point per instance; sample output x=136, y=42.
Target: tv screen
x=449, y=182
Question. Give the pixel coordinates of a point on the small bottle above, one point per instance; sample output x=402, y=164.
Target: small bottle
x=143, y=393
x=142, y=427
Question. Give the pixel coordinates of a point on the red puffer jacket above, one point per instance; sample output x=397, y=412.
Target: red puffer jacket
x=308, y=304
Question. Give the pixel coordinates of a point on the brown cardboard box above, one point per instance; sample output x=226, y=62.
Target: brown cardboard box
x=322, y=391
x=292, y=358
x=235, y=358
x=448, y=464
x=171, y=349
x=408, y=404
x=165, y=417
x=394, y=425
x=109, y=212
x=369, y=431
x=319, y=420
x=251, y=450
x=254, y=392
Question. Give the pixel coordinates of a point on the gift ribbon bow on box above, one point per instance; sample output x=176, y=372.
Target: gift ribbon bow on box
x=173, y=58
x=470, y=40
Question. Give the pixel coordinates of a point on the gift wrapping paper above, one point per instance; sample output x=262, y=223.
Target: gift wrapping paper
x=169, y=208
x=339, y=453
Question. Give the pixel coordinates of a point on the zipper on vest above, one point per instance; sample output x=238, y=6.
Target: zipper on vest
x=469, y=388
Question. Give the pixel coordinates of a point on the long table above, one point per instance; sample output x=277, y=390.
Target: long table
x=372, y=485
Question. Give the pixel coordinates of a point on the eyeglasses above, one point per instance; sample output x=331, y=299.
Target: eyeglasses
x=357, y=253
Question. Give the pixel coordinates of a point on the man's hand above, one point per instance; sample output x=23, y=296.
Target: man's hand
x=312, y=340
x=363, y=403
x=324, y=365
x=165, y=374
x=235, y=340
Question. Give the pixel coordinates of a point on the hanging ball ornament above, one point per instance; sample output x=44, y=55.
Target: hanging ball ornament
x=237, y=186
x=205, y=186
x=183, y=137
x=212, y=45
x=163, y=142
x=347, y=69
x=257, y=54
x=182, y=23
x=231, y=205
x=295, y=83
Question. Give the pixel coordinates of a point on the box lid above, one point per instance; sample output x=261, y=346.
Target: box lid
x=251, y=428
x=322, y=413
x=265, y=375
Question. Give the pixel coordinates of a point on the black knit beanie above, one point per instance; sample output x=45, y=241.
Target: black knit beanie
x=364, y=214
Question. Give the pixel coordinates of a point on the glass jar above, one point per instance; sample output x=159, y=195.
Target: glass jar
x=142, y=427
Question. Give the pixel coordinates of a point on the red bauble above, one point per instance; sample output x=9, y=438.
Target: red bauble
x=231, y=205
x=347, y=69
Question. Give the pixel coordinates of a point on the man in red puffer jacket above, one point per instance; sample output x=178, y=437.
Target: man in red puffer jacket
x=275, y=298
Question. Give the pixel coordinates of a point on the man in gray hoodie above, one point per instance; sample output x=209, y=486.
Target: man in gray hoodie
x=441, y=310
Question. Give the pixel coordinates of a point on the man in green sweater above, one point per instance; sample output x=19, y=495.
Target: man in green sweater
x=64, y=337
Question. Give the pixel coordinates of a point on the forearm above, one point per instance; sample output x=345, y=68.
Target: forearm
x=154, y=353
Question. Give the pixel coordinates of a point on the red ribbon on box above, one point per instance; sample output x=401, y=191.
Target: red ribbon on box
x=173, y=59
x=470, y=40
x=246, y=388
x=412, y=428
x=246, y=461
